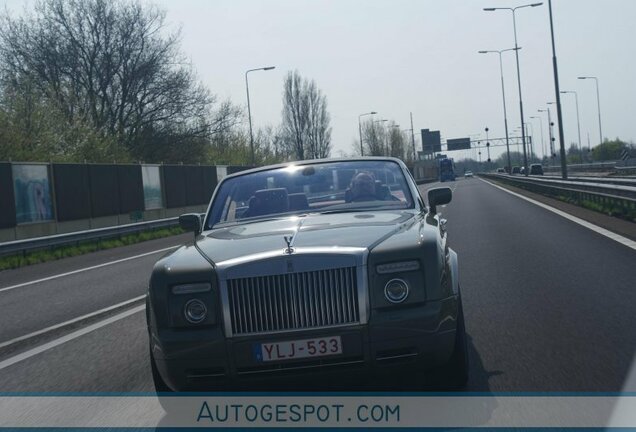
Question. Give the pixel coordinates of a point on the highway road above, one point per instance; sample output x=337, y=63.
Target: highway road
x=549, y=306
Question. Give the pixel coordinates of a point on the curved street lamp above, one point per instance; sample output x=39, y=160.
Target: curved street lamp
x=598, y=103
x=503, y=94
x=514, y=24
x=541, y=127
x=530, y=135
x=578, y=120
x=249, y=111
x=547, y=110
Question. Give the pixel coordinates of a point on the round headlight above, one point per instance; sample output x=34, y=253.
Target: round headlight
x=195, y=311
x=396, y=290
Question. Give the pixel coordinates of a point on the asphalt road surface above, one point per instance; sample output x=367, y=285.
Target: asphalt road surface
x=549, y=306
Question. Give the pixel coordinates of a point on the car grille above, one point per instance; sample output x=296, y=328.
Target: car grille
x=304, y=300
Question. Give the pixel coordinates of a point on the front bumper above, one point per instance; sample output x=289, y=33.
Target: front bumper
x=395, y=343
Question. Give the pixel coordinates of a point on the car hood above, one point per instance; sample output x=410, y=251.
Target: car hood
x=360, y=230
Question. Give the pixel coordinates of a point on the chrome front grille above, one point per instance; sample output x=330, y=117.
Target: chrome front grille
x=293, y=301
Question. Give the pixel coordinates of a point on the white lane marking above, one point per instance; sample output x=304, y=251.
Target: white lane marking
x=602, y=231
x=74, y=320
x=69, y=337
x=86, y=269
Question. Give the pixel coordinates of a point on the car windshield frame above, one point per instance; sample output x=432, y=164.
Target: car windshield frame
x=219, y=202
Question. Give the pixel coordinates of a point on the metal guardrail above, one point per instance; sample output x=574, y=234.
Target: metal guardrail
x=628, y=169
x=620, y=167
x=594, y=166
x=623, y=181
x=618, y=200
x=588, y=186
x=28, y=245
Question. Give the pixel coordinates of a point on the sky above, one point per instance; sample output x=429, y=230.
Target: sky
x=398, y=57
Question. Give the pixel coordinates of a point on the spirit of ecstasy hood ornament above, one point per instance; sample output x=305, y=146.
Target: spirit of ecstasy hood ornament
x=289, y=240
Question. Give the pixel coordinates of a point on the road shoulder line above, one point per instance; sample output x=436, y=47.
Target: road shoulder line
x=71, y=322
x=69, y=337
x=602, y=231
x=57, y=276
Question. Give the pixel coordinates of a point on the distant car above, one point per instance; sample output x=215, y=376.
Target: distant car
x=501, y=171
x=516, y=170
x=522, y=170
x=468, y=174
x=536, y=169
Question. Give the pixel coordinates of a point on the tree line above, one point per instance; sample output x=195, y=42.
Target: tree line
x=105, y=80
x=609, y=150
x=384, y=138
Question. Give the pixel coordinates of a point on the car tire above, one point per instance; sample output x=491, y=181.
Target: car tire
x=452, y=375
x=455, y=372
x=160, y=384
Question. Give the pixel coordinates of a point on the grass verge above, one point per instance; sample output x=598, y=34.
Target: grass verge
x=606, y=208
x=35, y=257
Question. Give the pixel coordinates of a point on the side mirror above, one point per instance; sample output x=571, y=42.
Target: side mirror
x=439, y=196
x=191, y=222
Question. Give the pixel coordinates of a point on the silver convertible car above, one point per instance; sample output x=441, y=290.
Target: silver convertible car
x=310, y=275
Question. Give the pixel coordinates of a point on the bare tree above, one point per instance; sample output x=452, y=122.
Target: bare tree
x=397, y=144
x=374, y=138
x=271, y=147
x=318, y=129
x=295, y=112
x=306, y=121
x=110, y=64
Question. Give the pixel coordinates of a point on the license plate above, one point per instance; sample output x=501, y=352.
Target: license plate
x=297, y=349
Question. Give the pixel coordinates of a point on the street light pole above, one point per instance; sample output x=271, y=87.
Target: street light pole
x=479, y=154
x=550, y=125
x=413, y=138
x=476, y=141
x=360, y=130
x=578, y=121
x=408, y=130
x=514, y=24
x=549, y=131
x=249, y=111
x=518, y=129
x=564, y=165
x=530, y=136
x=541, y=127
x=503, y=95
x=488, y=146
x=598, y=103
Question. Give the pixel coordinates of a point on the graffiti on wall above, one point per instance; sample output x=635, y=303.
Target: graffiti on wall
x=31, y=187
x=151, y=179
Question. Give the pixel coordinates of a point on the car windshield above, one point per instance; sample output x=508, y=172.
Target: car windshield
x=343, y=186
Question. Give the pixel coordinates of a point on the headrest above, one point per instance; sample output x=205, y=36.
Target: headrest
x=269, y=201
x=298, y=201
x=382, y=191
